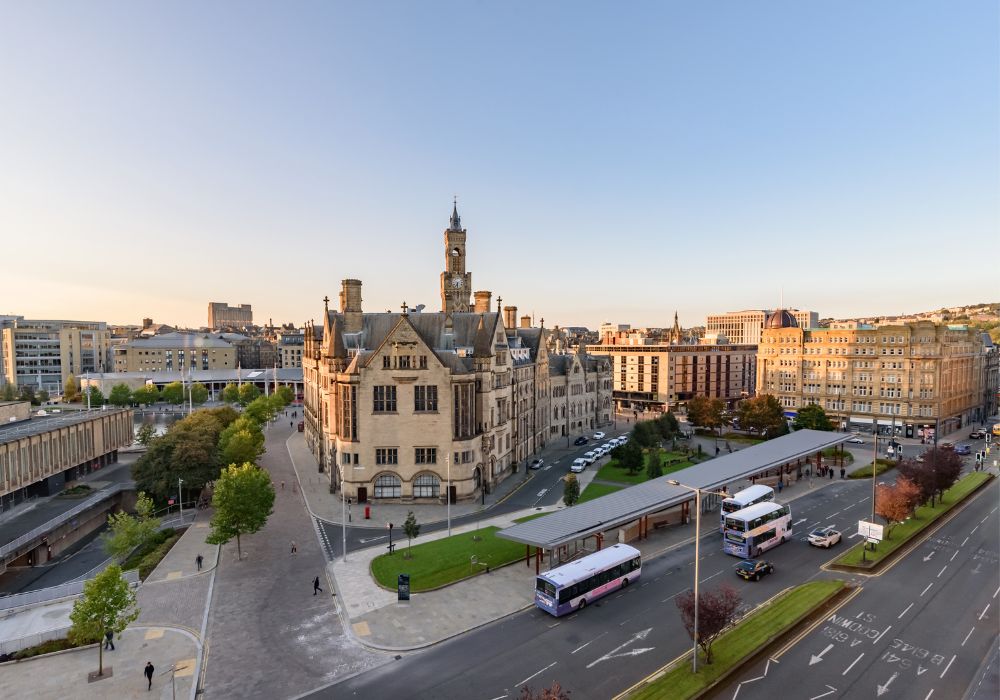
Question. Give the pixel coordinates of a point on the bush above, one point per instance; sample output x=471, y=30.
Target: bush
x=155, y=542
x=149, y=562
x=865, y=472
x=48, y=647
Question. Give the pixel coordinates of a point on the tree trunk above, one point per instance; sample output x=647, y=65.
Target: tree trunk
x=100, y=657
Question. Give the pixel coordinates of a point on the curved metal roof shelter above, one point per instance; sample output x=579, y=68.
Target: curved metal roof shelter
x=615, y=509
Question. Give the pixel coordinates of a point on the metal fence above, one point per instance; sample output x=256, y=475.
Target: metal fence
x=9, y=646
x=48, y=527
x=29, y=599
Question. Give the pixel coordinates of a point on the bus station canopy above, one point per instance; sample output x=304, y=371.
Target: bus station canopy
x=621, y=507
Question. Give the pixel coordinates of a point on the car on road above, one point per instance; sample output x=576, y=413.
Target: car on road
x=963, y=449
x=598, y=435
x=580, y=441
x=536, y=464
x=578, y=465
x=754, y=569
x=608, y=446
x=856, y=441
x=977, y=434
x=824, y=537
x=623, y=439
x=590, y=457
x=946, y=445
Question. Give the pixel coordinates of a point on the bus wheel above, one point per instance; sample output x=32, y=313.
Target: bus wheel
x=582, y=605
x=624, y=583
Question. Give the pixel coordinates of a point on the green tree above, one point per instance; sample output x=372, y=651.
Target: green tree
x=120, y=395
x=43, y=396
x=654, y=464
x=629, y=456
x=188, y=450
x=231, y=393
x=764, y=415
x=246, y=445
x=126, y=532
x=243, y=499
x=248, y=394
x=71, y=391
x=812, y=417
x=645, y=434
x=27, y=393
x=174, y=393
x=145, y=434
x=668, y=426
x=94, y=396
x=8, y=392
x=107, y=603
x=199, y=393
x=147, y=394
x=260, y=409
x=286, y=393
x=412, y=529
x=571, y=490
x=706, y=412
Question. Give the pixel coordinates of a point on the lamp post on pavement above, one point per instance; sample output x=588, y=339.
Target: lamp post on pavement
x=180, y=499
x=697, y=540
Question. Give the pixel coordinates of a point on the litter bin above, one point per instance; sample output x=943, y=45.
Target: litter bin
x=368, y=512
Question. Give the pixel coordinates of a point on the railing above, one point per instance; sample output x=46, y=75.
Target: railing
x=9, y=646
x=30, y=599
x=51, y=525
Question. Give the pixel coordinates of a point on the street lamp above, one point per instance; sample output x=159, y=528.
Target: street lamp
x=447, y=462
x=180, y=499
x=697, y=540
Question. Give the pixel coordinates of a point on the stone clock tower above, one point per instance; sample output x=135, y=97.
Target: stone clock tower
x=456, y=283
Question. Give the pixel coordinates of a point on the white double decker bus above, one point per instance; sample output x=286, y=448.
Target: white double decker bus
x=756, y=529
x=571, y=586
x=758, y=493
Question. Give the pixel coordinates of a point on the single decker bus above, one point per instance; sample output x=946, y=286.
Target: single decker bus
x=758, y=528
x=744, y=499
x=571, y=586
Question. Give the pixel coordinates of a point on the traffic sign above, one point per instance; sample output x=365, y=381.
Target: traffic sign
x=870, y=531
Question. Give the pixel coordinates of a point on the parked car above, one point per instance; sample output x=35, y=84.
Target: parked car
x=623, y=440
x=824, y=537
x=590, y=457
x=608, y=446
x=578, y=466
x=536, y=464
x=598, y=435
x=963, y=449
x=580, y=441
x=856, y=441
x=754, y=569
x=977, y=434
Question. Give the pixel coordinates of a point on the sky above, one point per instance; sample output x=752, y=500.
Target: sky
x=612, y=161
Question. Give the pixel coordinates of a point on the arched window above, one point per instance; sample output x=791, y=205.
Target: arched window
x=388, y=486
x=426, y=486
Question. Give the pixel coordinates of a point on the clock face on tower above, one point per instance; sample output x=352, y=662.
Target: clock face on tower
x=457, y=282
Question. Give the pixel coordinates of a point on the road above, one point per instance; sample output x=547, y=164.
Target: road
x=612, y=644
x=925, y=628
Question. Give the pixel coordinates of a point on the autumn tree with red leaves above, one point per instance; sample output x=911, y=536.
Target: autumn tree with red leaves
x=717, y=610
x=897, y=502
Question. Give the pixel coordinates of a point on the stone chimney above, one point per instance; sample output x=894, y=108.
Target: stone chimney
x=484, y=299
x=350, y=305
x=526, y=322
x=510, y=317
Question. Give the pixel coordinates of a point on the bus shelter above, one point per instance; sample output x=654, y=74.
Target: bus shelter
x=786, y=458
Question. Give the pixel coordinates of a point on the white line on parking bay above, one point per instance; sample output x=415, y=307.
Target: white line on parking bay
x=846, y=670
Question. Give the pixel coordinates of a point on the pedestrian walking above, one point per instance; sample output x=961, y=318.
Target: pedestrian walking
x=294, y=548
x=109, y=640
x=781, y=485
x=148, y=672
x=290, y=424
x=843, y=473
x=198, y=560
x=830, y=471
x=282, y=485
x=316, y=588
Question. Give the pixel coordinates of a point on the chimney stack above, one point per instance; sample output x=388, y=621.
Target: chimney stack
x=350, y=305
x=484, y=299
x=510, y=317
x=526, y=322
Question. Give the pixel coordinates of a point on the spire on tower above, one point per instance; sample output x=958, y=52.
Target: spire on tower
x=456, y=220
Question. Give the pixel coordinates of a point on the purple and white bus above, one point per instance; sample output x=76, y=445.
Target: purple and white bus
x=571, y=586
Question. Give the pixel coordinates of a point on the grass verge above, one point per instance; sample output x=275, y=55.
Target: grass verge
x=834, y=452
x=526, y=518
x=441, y=562
x=596, y=491
x=865, y=472
x=670, y=461
x=924, y=517
x=745, y=639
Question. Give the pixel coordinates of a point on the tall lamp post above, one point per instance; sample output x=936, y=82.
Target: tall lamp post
x=180, y=499
x=447, y=498
x=343, y=514
x=697, y=551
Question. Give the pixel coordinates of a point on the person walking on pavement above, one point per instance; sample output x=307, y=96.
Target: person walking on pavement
x=198, y=560
x=316, y=588
x=294, y=548
x=109, y=640
x=148, y=672
x=843, y=473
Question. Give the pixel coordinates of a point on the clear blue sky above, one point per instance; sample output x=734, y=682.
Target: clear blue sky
x=613, y=161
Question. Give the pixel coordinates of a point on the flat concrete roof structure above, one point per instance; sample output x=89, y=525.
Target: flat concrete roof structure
x=621, y=507
x=37, y=424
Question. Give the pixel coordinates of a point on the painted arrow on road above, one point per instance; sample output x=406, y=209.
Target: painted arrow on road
x=816, y=658
x=928, y=557
x=542, y=492
x=372, y=539
x=882, y=689
x=613, y=654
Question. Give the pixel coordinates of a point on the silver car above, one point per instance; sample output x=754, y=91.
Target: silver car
x=824, y=537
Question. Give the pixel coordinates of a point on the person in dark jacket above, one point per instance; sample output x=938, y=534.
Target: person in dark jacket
x=109, y=640
x=148, y=672
x=316, y=588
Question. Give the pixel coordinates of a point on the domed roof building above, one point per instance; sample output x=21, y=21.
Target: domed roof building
x=780, y=319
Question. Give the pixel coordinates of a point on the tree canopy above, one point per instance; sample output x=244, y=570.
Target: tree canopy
x=939, y=470
x=71, y=390
x=147, y=394
x=120, y=395
x=706, y=412
x=126, y=532
x=107, y=603
x=248, y=393
x=174, y=393
x=231, y=393
x=763, y=415
x=199, y=393
x=716, y=611
x=812, y=417
x=571, y=490
x=243, y=499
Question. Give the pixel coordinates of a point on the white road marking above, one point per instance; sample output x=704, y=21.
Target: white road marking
x=542, y=492
x=831, y=691
x=846, y=670
x=751, y=680
x=581, y=647
x=856, y=534
x=974, y=530
x=949, y=665
x=833, y=514
x=499, y=697
x=799, y=521
x=942, y=570
x=631, y=652
x=968, y=635
x=905, y=611
x=885, y=688
x=997, y=592
x=816, y=658
x=883, y=634
x=372, y=539
x=954, y=555
x=964, y=541
x=863, y=499
x=712, y=576
x=926, y=589
x=983, y=520
x=983, y=613
x=536, y=674
x=929, y=556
